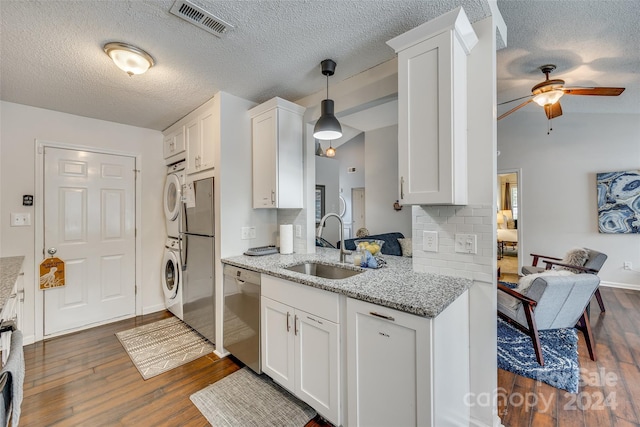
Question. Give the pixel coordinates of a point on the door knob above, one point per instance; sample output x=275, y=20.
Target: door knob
x=52, y=251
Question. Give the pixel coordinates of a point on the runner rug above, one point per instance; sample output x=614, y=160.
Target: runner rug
x=163, y=345
x=247, y=399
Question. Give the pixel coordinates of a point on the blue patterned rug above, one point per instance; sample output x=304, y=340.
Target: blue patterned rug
x=559, y=349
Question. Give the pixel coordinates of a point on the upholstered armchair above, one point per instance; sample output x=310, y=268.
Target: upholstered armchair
x=549, y=301
x=592, y=264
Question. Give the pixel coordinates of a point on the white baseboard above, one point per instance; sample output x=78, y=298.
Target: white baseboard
x=28, y=339
x=632, y=286
x=153, y=309
x=221, y=354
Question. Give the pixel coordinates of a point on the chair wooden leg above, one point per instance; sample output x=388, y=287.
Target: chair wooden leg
x=585, y=326
x=600, y=302
x=533, y=332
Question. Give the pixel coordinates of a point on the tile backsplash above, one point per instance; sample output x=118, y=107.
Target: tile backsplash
x=295, y=217
x=447, y=221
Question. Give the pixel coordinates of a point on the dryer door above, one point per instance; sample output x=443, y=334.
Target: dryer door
x=172, y=197
x=170, y=274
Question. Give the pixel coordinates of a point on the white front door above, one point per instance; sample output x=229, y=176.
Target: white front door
x=89, y=218
x=357, y=209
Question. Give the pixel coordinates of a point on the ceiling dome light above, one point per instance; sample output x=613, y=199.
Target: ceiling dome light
x=327, y=127
x=130, y=59
x=548, y=98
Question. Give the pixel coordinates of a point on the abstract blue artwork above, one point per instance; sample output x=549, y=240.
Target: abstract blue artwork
x=619, y=202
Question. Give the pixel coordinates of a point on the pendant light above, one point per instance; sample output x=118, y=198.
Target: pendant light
x=130, y=59
x=327, y=126
x=331, y=152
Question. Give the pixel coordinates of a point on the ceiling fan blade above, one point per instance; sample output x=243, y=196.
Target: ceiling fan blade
x=514, y=109
x=553, y=110
x=594, y=91
x=516, y=99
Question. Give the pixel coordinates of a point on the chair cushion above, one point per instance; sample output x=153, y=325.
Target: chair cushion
x=525, y=282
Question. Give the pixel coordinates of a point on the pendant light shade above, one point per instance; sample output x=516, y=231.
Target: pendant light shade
x=327, y=127
x=331, y=152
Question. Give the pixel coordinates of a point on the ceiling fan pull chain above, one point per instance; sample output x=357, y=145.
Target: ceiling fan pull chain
x=549, y=128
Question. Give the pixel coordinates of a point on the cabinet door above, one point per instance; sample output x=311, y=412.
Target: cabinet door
x=192, y=137
x=208, y=140
x=388, y=367
x=278, y=342
x=432, y=122
x=265, y=136
x=174, y=143
x=317, y=351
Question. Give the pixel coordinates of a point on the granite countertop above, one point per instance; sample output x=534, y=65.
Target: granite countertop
x=10, y=268
x=396, y=285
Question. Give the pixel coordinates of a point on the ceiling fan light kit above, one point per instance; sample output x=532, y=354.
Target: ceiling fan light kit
x=327, y=127
x=547, y=94
x=130, y=59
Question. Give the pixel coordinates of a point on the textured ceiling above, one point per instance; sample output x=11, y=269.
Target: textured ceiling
x=51, y=51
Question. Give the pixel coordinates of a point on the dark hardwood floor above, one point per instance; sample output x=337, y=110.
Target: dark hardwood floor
x=87, y=379
x=609, y=394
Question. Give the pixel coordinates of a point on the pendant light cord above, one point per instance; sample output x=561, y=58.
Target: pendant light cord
x=327, y=86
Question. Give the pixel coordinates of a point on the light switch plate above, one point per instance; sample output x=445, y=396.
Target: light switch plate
x=252, y=232
x=244, y=233
x=430, y=241
x=466, y=243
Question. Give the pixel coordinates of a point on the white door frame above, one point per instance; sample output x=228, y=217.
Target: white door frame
x=521, y=215
x=39, y=224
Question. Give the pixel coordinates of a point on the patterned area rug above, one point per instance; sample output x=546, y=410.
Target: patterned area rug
x=247, y=399
x=163, y=345
x=559, y=349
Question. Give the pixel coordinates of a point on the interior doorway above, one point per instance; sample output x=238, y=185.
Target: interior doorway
x=357, y=209
x=509, y=223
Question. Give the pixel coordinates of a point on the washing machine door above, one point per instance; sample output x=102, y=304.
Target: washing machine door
x=170, y=274
x=172, y=196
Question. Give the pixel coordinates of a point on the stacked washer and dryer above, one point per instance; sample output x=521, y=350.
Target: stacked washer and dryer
x=172, y=264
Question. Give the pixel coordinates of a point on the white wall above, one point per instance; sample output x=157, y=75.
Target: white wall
x=327, y=174
x=558, y=183
x=351, y=155
x=381, y=179
x=20, y=126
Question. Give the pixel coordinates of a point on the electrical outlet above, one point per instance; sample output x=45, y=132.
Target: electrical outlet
x=430, y=241
x=298, y=231
x=466, y=243
x=252, y=232
x=628, y=265
x=20, y=219
x=244, y=233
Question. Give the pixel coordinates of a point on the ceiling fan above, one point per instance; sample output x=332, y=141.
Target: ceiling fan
x=547, y=94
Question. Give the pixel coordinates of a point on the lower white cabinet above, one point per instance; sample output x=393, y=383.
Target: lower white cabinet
x=388, y=360
x=301, y=343
x=407, y=370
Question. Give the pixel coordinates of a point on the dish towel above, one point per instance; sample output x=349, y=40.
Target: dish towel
x=14, y=369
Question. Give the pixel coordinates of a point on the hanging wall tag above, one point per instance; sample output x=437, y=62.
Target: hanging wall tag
x=51, y=273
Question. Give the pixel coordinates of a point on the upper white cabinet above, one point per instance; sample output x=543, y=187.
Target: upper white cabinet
x=300, y=346
x=201, y=134
x=432, y=112
x=174, y=145
x=277, y=137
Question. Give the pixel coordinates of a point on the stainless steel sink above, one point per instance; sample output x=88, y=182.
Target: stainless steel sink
x=323, y=270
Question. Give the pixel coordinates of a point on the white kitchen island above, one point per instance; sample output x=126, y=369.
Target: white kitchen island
x=384, y=347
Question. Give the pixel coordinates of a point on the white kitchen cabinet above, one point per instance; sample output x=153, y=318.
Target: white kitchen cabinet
x=277, y=138
x=407, y=370
x=201, y=142
x=432, y=110
x=174, y=145
x=12, y=311
x=301, y=343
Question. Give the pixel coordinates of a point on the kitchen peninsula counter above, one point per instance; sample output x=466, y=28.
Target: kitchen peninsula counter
x=396, y=285
x=10, y=268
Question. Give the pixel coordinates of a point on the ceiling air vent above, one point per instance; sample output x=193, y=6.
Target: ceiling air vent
x=200, y=17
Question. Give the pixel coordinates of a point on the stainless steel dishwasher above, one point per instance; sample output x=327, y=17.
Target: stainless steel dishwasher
x=241, y=327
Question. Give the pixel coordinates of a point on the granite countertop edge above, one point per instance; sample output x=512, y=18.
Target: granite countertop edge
x=395, y=286
x=10, y=268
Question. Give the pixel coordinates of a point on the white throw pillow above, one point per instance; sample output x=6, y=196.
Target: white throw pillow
x=407, y=246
